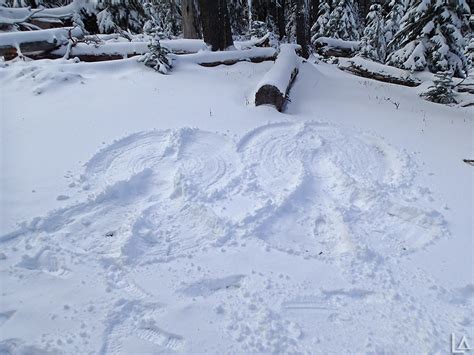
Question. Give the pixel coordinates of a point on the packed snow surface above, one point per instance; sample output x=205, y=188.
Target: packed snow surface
x=144, y=213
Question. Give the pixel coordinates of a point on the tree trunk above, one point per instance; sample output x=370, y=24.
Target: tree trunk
x=191, y=28
x=302, y=28
x=280, y=18
x=364, y=6
x=215, y=24
x=313, y=11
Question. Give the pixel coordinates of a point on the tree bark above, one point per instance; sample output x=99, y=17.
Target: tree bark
x=280, y=18
x=313, y=11
x=215, y=24
x=302, y=28
x=364, y=6
x=191, y=26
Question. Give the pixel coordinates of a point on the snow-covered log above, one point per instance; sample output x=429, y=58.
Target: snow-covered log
x=335, y=47
x=213, y=59
x=42, y=18
x=91, y=52
x=275, y=85
x=32, y=42
x=377, y=71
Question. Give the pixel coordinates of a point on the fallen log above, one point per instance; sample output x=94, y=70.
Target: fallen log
x=27, y=43
x=275, y=86
x=334, y=47
x=92, y=52
x=92, y=49
x=213, y=59
x=376, y=71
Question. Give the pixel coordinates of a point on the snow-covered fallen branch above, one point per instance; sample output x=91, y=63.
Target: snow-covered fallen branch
x=377, y=71
x=275, y=85
x=254, y=42
x=212, y=59
x=466, y=85
x=335, y=47
x=31, y=42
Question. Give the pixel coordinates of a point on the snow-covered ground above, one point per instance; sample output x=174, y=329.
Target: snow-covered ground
x=143, y=213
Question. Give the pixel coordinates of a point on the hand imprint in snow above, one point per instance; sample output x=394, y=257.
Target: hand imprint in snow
x=308, y=189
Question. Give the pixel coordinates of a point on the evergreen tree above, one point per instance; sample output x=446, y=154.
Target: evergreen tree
x=258, y=29
x=297, y=29
x=165, y=15
x=320, y=27
x=120, y=14
x=344, y=21
x=396, y=10
x=238, y=15
x=291, y=16
x=157, y=57
x=373, y=42
x=470, y=53
x=431, y=36
x=442, y=90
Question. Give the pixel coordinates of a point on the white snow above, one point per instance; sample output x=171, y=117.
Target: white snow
x=147, y=213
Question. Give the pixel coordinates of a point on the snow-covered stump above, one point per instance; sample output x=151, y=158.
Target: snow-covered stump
x=13, y=44
x=276, y=84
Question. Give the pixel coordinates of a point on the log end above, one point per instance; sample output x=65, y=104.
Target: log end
x=270, y=95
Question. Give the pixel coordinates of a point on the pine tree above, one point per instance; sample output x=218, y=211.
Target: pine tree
x=127, y=15
x=320, y=27
x=470, y=53
x=238, y=15
x=344, y=21
x=431, y=36
x=157, y=57
x=164, y=14
x=396, y=10
x=373, y=42
x=442, y=90
x=297, y=29
x=258, y=29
